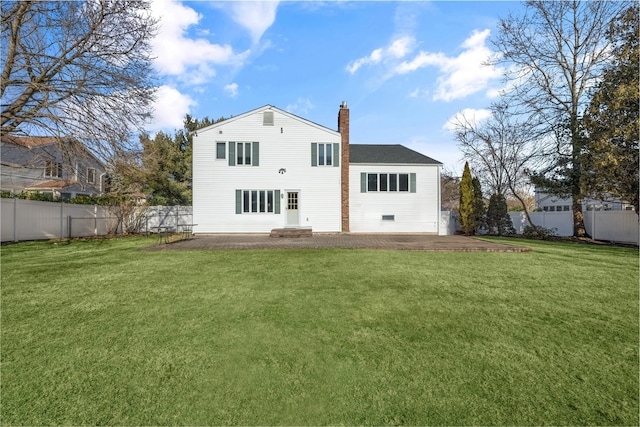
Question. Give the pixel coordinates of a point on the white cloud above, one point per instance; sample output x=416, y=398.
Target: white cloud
x=419, y=93
x=423, y=59
x=397, y=49
x=255, y=16
x=301, y=106
x=468, y=115
x=177, y=54
x=170, y=108
x=460, y=75
x=231, y=89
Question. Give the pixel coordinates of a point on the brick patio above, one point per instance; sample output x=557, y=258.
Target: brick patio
x=411, y=242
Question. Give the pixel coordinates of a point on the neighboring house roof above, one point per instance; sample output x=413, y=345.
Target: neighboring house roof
x=29, y=141
x=264, y=108
x=387, y=153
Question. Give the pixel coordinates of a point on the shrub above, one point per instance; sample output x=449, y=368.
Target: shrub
x=539, y=233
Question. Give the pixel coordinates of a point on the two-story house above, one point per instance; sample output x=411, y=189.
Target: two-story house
x=63, y=168
x=268, y=169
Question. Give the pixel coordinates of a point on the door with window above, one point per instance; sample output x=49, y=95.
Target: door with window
x=292, y=209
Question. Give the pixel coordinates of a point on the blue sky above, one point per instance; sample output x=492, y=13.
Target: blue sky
x=404, y=68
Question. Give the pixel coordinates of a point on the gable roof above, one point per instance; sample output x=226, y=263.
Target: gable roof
x=387, y=153
x=265, y=108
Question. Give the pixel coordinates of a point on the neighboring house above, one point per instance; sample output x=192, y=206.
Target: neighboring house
x=48, y=165
x=549, y=203
x=268, y=169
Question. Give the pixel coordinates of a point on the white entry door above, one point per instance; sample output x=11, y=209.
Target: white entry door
x=292, y=209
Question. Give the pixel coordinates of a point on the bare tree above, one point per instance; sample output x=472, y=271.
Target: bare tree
x=502, y=150
x=77, y=69
x=449, y=190
x=555, y=53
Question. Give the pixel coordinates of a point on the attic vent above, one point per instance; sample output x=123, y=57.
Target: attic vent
x=267, y=118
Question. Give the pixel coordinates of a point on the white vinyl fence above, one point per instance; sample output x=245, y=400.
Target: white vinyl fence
x=448, y=223
x=613, y=226
x=34, y=220
x=176, y=217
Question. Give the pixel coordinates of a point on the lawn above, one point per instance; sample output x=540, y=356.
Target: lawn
x=101, y=333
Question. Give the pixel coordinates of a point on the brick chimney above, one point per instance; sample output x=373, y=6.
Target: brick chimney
x=343, y=128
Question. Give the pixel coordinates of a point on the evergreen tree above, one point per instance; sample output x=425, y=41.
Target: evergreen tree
x=478, y=205
x=612, y=124
x=498, y=219
x=467, y=219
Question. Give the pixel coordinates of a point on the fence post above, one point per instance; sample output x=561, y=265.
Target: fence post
x=15, y=219
x=95, y=220
x=69, y=225
x=593, y=224
x=62, y=220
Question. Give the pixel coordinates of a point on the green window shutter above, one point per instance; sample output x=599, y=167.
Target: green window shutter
x=238, y=201
x=276, y=204
x=412, y=182
x=363, y=182
x=255, y=148
x=232, y=154
x=336, y=155
x=314, y=154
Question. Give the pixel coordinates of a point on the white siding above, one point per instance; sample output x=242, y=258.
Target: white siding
x=417, y=212
x=286, y=144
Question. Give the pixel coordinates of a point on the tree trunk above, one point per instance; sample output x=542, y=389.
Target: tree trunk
x=578, y=219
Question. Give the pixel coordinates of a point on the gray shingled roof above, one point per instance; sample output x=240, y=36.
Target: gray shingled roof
x=387, y=153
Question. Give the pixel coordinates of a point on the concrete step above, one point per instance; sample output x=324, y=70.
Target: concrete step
x=291, y=232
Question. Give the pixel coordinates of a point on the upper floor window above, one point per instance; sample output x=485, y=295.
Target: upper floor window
x=221, y=150
x=244, y=153
x=53, y=169
x=325, y=154
x=91, y=175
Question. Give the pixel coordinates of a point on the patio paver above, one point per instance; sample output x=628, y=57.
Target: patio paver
x=412, y=242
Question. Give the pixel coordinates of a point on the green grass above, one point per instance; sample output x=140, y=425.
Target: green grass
x=101, y=333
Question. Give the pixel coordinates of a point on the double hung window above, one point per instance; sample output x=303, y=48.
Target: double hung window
x=91, y=175
x=244, y=153
x=53, y=169
x=221, y=150
x=325, y=154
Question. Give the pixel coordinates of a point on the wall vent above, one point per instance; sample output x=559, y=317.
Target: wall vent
x=388, y=217
x=267, y=118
